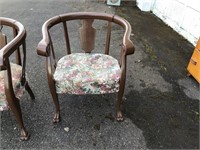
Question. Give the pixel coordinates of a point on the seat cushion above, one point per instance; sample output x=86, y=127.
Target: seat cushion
x=18, y=89
x=84, y=73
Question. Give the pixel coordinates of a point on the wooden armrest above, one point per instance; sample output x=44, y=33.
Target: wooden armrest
x=44, y=44
x=42, y=48
x=129, y=47
x=127, y=43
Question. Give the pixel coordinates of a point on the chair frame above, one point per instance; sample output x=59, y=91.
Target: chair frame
x=18, y=40
x=45, y=48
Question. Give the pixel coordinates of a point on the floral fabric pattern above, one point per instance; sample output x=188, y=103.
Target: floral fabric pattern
x=18, y=89
x=83, y=73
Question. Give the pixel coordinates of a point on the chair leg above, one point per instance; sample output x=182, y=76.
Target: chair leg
x=30, y=92
x=15, y=108
x=119, y=115
x=56, y=117
x=55, y=100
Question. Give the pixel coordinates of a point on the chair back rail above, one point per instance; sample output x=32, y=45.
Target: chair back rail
x=44, y=45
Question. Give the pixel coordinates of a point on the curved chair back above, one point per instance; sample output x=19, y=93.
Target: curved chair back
x=86, y=31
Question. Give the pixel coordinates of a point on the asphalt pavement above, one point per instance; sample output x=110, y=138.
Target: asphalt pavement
x=161, y=104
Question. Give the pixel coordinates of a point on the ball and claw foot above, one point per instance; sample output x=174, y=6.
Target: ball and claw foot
x=24, y=135
x=56, y=118
x=120, y=116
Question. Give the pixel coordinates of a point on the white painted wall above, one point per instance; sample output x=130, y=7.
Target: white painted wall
x=182, y=15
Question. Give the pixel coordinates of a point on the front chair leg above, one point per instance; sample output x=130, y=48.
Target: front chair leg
x=15, y=107
x=119, y=115
x=24, y=134
x=56, y=117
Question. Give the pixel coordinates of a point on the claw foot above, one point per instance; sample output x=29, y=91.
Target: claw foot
x=56, y=118
x=120, y=116
x=24, y=135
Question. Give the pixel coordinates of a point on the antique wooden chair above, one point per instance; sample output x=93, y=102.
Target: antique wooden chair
x=86, y=72
x=12, y=74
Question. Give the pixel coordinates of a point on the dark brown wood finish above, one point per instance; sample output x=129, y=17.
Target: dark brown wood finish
x=44, y=48
x=87, y=35
x=19, y=34
x=67, y=38
x=3, y=39
x=108, y=35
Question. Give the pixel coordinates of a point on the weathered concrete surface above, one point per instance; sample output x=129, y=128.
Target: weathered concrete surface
x=161, y=103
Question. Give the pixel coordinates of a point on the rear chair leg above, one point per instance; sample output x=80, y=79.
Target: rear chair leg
x=30, y=92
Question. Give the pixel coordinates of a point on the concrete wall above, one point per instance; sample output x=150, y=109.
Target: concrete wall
x=182, y=15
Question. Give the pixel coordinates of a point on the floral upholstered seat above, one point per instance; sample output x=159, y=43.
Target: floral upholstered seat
x=18, y=89
x=84, y=73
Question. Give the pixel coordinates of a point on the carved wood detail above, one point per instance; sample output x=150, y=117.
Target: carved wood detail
x=87, y=35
